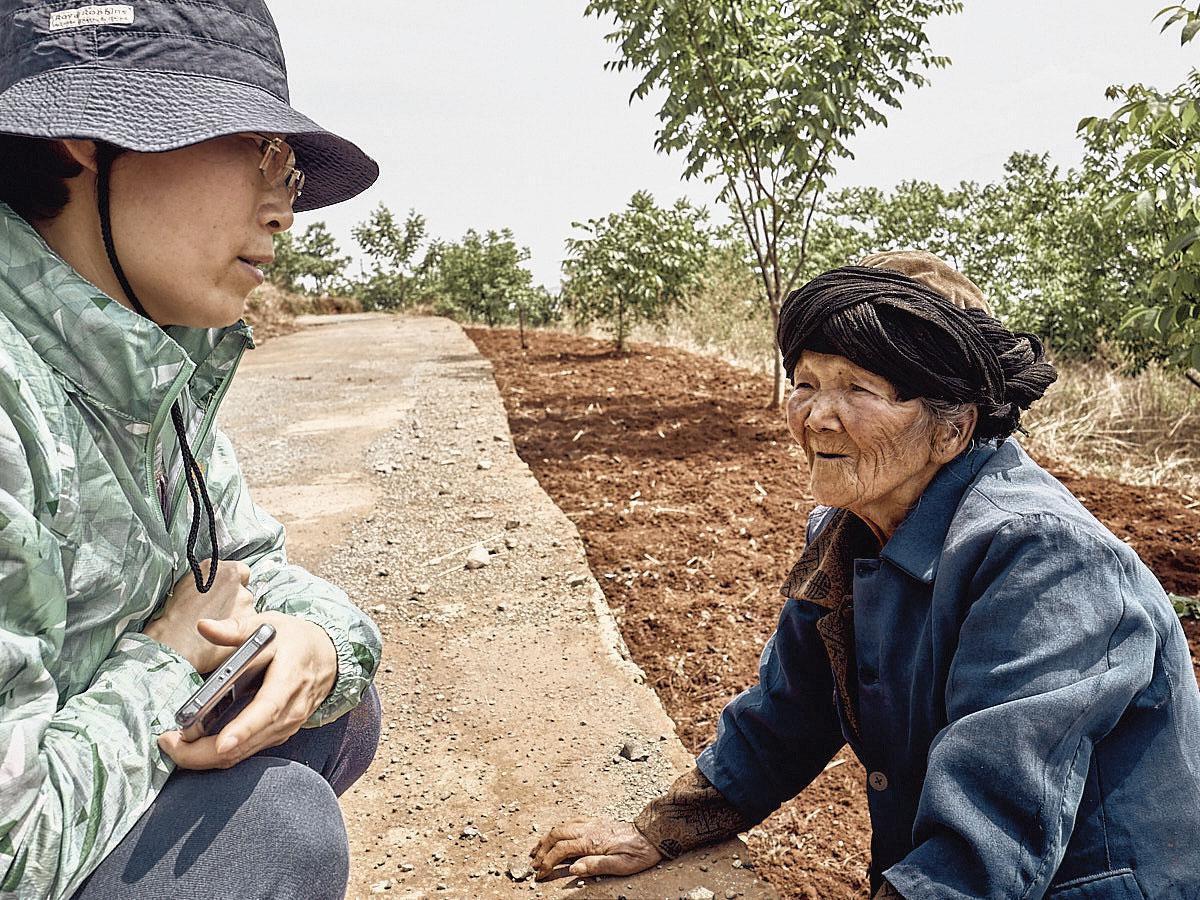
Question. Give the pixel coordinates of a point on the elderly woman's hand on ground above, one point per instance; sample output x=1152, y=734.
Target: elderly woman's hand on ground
x=598, y=846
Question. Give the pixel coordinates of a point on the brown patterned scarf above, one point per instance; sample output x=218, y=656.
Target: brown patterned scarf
x=824, y=575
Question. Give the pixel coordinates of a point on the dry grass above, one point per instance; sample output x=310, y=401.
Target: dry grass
x=272, y=311
x=1140, y=429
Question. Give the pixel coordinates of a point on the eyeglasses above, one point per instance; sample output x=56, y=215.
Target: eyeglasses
x=278, y=165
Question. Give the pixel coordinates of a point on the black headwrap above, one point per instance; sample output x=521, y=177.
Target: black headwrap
x=919, y=341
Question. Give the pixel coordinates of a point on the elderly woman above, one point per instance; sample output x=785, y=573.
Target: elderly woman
x=148, y=157
x=1010, y=674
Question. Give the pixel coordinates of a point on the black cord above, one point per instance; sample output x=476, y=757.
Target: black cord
x=197, y=489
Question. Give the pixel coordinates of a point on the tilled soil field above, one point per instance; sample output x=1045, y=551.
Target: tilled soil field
x=691, y=501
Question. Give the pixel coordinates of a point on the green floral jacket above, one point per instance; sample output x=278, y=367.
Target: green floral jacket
x=93, y=522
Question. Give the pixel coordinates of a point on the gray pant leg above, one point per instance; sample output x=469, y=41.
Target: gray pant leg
x=268, y=828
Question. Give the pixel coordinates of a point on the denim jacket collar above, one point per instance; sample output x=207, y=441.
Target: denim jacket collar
x=916, y=546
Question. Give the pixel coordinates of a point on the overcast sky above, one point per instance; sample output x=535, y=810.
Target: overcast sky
x=498, y=113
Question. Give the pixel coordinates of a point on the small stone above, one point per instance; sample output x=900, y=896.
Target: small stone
x=482, y=515
x=520, y=872
x=731, y=894
x=698, y=893
x=478, y=557
x=470, y=832
x=420, y=589
x=576, y=580
x=510, y=543
x=634, y=751
x=406, y=867
x=502, y=607
x=383, y=573
x=380, y=886
x=483, y=465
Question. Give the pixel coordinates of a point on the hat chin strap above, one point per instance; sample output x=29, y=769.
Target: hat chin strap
x=197, y=489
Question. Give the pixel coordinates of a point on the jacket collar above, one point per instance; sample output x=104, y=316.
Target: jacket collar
x=106, y=350
x=917, y=544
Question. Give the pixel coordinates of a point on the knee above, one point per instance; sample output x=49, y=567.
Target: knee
x=363, y=729
x=302, y=821
x=366, y=720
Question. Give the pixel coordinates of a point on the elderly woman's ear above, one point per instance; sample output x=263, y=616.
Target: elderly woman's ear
x=922, y=266
x=952, y=431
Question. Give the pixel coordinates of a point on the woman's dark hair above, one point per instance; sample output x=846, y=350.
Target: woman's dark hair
x=33, y=176
x=919, y=341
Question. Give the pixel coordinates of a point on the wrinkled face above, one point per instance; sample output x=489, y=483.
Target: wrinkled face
x=864, y=446
x=192, y=227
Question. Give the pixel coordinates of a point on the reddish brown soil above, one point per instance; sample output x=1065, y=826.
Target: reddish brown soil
x=692, y=503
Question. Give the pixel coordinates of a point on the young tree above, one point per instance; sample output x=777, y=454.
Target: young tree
x=1158, y=133
x=764, y=96
x=635, y=265
x=481, y=277
x=396, y=272
x=312, y=257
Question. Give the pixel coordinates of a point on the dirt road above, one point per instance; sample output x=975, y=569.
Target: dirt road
x=508, y=694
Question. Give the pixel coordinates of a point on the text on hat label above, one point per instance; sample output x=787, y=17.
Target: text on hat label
x=111, y=14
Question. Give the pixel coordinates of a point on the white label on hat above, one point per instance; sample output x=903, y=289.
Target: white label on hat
x=112, y=14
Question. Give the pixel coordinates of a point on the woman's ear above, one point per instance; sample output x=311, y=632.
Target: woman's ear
x=83, y=152
x=953, y=438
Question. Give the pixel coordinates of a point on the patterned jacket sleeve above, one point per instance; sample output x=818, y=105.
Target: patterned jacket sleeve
x=247, y=533
x=73, y=780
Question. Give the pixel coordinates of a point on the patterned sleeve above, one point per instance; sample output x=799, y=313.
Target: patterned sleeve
x=691, y=814
x=74, y=780
x=248, y=534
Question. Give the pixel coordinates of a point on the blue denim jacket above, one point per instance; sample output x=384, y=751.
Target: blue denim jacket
x=1029, y=714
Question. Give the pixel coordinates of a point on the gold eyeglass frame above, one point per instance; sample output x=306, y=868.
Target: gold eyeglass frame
x=292, y=178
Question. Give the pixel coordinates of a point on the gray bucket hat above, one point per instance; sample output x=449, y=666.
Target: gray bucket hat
x=154, y=75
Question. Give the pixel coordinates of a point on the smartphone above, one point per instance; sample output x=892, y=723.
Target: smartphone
x=225, y=691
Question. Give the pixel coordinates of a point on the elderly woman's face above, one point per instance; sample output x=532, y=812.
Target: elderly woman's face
x=864, y=446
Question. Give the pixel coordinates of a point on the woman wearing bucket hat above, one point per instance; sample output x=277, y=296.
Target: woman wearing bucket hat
x=148, y=155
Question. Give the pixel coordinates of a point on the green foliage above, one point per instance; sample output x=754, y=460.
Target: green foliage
x=1156, y=134
x=763, y=97
x=635, y=265
x=481, y=279
x=1038, y=242
x=1186, y=607
x=397, y=277
x=310, y=263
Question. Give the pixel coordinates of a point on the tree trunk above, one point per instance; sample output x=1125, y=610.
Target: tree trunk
x=521, y=320
x=777, y=388
x=620, y=326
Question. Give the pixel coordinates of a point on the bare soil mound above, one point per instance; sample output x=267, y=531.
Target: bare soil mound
x=691, y=501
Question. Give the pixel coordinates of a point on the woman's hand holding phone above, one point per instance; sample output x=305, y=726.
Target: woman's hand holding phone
x=301, y=667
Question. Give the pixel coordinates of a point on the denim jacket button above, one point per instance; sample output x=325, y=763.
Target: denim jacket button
x=878, y=781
